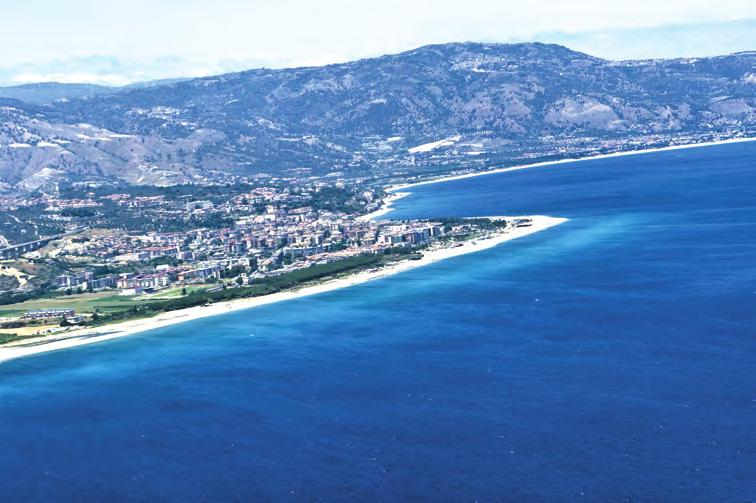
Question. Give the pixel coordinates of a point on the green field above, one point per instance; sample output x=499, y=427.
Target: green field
x=112, y=307
x=85, y=303
x=104, y=302
x=175, y=293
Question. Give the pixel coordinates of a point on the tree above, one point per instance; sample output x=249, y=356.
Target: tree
x=183, y=291
x=64, y=323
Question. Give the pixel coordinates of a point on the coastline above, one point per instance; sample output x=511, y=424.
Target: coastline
x=386, y=204
x=394, y=188
x=87, y=336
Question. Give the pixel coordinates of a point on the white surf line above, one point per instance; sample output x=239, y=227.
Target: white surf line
x=385, y=206
x=395, y=188
x=117, y=330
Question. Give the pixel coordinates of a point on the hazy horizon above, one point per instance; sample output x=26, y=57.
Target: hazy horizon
x=94, y=60
x=113, y=45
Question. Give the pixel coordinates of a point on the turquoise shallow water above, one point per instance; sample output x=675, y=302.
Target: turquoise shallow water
x=610, y=358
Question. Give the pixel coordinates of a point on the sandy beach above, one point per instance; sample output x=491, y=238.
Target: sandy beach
x=395, y=188
x=93, y=335
x=81, y=337
x=387, y=202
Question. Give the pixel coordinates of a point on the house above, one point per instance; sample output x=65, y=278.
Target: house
x=40, y=314
x=130, y=292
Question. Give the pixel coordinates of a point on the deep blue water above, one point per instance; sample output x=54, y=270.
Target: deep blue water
x=611, y=358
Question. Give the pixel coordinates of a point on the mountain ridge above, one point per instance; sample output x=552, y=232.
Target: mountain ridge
x=45, y=93
x=361, y=118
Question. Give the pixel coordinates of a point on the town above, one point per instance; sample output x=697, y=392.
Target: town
x=101, y=262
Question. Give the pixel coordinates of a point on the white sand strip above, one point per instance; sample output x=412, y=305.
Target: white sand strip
x=404, y=186
x=92, y=335
x=385, y=206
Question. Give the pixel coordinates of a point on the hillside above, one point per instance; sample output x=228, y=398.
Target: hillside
x=433, y=109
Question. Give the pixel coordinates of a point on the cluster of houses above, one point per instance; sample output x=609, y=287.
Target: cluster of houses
x=275, y=230
x=259, y=245
x=46, y=314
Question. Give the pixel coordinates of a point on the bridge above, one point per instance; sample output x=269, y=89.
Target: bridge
x=16, y=251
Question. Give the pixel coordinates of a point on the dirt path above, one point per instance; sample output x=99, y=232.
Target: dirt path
x=22, y=278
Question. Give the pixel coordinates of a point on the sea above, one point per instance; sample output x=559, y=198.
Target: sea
x=610, y=358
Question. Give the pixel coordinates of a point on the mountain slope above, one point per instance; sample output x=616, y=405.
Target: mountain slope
x=48, y=92
x=44, y=93
x=490, y=102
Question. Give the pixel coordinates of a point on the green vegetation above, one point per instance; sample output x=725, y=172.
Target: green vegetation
x=170, y=218
x=107, y=307
x=25, y=224
x=86, y=303
x=179, y=292
x=8, y=283
x=6, y=338
x=40, y=274
x=480, y=223
x=334, y=199
x=78, y=212
x=190, y=192
x=266, y=286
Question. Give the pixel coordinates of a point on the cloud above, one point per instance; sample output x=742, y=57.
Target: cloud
x=73, y=78
x=111, y=71
x=120, y=68
x=670, y=41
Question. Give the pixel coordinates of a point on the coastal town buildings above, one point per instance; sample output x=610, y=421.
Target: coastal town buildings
x=237, y=239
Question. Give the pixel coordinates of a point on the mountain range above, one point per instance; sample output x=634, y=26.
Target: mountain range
x=434, y=109
x=45, y=93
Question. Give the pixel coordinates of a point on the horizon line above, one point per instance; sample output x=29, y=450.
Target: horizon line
x=178, y=79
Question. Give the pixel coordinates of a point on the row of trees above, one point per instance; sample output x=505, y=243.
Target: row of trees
x=266, y=286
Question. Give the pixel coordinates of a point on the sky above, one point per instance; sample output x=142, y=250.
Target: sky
x=116, y=43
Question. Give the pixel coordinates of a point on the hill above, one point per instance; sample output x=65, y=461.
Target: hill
x=437, y=108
